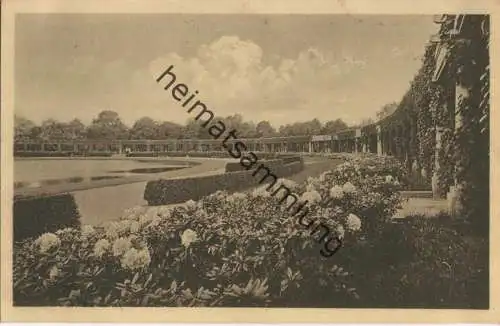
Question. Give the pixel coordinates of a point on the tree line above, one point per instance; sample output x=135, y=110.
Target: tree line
x=108, y=125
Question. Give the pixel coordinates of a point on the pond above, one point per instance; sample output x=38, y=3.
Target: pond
x=39, y=172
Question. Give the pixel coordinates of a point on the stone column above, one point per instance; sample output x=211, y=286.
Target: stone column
x=455, y=194
x=310, y=147
x=436, y=172
x=379, y=140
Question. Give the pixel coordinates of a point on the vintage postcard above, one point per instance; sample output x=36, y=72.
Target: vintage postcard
x=237, y=161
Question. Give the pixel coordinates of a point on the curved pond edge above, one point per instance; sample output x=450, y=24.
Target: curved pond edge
x=54, y=187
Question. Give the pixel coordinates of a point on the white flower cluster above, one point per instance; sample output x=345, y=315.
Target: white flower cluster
x=136, y=258
x=290, y=184
x=236, y=197
x=340, y=231
x=121, y=245
x=261, y=192
x=348, y=188
x=54, y=272
x=47, y=241
x=116, y=229
x=134, y=213
x=87, y=231
x=101, y=247
x=353, y=222
x=190, y=205
x=188, y=236
x=64, y=231
x=336, y=192
x=311, y=196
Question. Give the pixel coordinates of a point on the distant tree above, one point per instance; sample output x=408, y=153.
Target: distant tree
x=22, y=128
x=36, y=133
x=247, y=130
x=366, y=122
x=144, y=128
x=170, y=130
x=233, y=122
x=264, y=129
x=52, y=130
x=334, y=126
x=387, y=110
x=193, y=130
x=74, y=129
x=107, y=125
x=312, y=127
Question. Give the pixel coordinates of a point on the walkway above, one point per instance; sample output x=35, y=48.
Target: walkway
x=98, y=205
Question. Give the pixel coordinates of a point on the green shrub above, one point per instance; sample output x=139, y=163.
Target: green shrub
x=34, y=216
x=420, y=263
x=170, y=191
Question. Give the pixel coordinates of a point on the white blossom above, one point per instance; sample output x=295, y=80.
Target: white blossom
x=353, y=222
x=145, y=218
x=65, y=230
x=87, y=230
x=121, y=245
x=190, y=204
x=112, y=230
x=154, y=223
x=348, y=187
x=311, y=196
x=340, y=231
x=133, y=213
x=134, y=227
x=236, y=197
x=54, y=272
x=260, y=192
x=337, y=192
x=136, y=259
x=47, y=241
x=290, y=184
x=187, y=237
x=101, y=247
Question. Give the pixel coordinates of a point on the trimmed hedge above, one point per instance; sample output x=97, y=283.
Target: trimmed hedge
x=236, y=166
x=61, y=154
x=214, y=154
x=271, y=163
x=172, y=191
x=35, y=216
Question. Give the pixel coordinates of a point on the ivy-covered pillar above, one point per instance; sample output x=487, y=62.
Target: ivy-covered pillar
x=379, y=140
x=436, y=193
x=455, y=194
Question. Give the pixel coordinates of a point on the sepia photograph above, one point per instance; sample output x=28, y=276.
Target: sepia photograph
x=265, y=160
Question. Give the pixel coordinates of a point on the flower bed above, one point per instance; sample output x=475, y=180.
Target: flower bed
x=241, y=249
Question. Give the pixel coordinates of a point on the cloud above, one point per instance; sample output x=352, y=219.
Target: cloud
x=231, y=76
x=397, y=52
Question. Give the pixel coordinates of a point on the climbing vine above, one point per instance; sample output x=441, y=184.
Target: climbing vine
x=464, y=154
x=472, y=134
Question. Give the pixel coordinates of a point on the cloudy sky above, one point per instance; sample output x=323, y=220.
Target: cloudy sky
x=281, y=68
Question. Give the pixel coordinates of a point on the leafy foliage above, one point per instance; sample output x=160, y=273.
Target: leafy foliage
x=241, y=249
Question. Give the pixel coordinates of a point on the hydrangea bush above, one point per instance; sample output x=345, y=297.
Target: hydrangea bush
x=240, y=249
